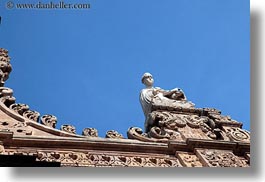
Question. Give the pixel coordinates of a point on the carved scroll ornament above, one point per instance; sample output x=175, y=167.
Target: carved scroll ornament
x=68, y=128
x=32, y=115
x=49, y=120
x=216, y=158
x=237, y=134
x=113, y=134
x=90, y=132
x=156, y=134
x=19, y=108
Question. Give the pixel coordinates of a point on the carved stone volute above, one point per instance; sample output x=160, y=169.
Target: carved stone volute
x=90, y=132
x=49, y=120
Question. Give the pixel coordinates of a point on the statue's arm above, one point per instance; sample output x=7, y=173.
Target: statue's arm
x=176, y=94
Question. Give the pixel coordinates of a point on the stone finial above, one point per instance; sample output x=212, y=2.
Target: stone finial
x=5, y=66
x=90, y=132
x=49, y=120
x=114, y=134
x=68, y=128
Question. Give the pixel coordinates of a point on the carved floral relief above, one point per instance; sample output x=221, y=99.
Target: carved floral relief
x=221, y=158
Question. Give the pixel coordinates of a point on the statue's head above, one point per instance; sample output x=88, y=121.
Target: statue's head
x=147, y=80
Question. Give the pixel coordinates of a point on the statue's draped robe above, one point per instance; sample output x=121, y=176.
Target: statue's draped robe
x=154, y=96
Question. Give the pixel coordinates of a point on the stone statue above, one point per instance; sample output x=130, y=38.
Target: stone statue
x=151, y=96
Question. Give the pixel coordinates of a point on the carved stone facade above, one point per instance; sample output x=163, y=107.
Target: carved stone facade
x=176, y=135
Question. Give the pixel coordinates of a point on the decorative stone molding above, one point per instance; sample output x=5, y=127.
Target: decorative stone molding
x=175, y=126
x=105, y=159
x=237, y=134
x=188, y=159
x=221, y=158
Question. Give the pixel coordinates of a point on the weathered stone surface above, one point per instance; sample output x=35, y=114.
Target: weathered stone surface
x=49, y=120
x=90, y=132
x=221, y=158
x=188, y=159
x=113, y=134
x=237, y=134
x=93, y=159
x=5, y=66
x=68, y=128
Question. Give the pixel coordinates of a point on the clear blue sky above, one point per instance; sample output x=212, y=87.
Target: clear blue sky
x=85, y=66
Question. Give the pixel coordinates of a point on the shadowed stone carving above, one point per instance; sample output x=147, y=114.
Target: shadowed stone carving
x=90, y=132
x=68, y=128
x=5, y=66
x=49, y=120
x=113, y=134
x=32, y=115
x=219, y=158
x=19, y=108
x=188, y=159
x=237, y=134
x=6, y=95
x=104, y=159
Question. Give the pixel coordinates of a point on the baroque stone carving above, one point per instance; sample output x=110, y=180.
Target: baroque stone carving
x=32, y=115
x=224, y=120
x=5, y=66
x=138, y=134
x=189, y=160
x=49, y=120
x=237, y=134
x=167, y=119
x=209, y=110
x=68, y=128
x=19, y=108
x=4, y=91
x=217, y=158
x=156, y=134
x=151, y=96
x=113, y=134
x=175, y=126
x=91, y=132
x=105, y=160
